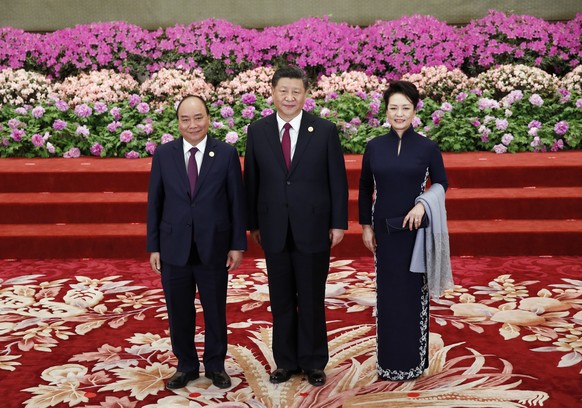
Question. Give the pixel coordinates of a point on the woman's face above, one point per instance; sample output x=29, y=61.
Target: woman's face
x=400, y=112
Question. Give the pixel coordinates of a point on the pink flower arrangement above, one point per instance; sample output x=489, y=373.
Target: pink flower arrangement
x=439, y=82
x=501, y=39
x=572, y=81
x=350, y=82
x=507, y=78
x=256, y=81
x=105, y=86
x=19, y=87
x=169, y=85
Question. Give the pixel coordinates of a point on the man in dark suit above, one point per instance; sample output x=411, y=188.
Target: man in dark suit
x=297, y=195
x=196, y=234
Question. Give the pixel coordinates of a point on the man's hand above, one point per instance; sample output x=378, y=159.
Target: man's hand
x=335, y=236
x=233, y=260
x=155, y=262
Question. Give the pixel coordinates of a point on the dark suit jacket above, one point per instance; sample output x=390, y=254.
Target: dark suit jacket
x=312, y=196
x=217, y=210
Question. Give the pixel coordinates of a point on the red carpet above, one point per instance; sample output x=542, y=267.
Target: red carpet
x=92, y=333
x=510, y=204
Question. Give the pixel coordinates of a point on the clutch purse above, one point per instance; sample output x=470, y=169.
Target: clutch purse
x=395, y=224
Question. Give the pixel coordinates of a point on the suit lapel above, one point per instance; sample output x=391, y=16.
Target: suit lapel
x=274, y=141
x=181, y=165
x=306, y=130
x=207, y=162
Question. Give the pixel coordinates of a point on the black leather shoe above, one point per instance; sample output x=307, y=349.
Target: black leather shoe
x=219, y=379
x=180, y=379
x=281, y=375
x=316, y=377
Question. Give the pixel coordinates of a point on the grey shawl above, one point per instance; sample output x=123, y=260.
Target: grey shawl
x=431, y=254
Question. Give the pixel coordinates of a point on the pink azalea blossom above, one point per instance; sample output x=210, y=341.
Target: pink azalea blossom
x=533, y=131
x=143, y=107
x=309, y=105
x=561, y=128
x=558, y=145
x=132, y=155
x=82, y=131
x=100, y=107
x=72, y=153
x=17, y=134
x=96, y=149
x=266, y=112
x=447, y=107
x=501, y=124
x=499, y=148
x=248, y=112
x=59, y=124
x=226, y=112
x=50, y=148
x=325, y=112
x=231, y=137
x=38, y=112
x=37, y=140
x=150, y=146
x=134, y=100
x=113, y=126
x=116, y=113
x=461, y=96
x=61, y=105
x=536, y=100
x=126, y=136
x=248, y=98
x=506, y=139
x=166, y=137
x=83, y=111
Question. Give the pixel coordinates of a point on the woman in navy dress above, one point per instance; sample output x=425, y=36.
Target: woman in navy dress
x=395, y=171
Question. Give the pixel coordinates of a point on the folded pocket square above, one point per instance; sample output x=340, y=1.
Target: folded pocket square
x=395, y=224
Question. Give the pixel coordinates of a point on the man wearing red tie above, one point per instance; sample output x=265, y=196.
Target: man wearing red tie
x=297, y=195
x=196, y=235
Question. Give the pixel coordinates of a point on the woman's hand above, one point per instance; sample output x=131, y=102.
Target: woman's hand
x=369, y=238
x=414, y=217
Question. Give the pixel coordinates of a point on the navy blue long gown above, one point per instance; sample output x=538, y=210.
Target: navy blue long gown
x=402, y=296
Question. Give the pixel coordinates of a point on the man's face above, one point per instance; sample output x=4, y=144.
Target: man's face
x=289, y=97
x=193, y=121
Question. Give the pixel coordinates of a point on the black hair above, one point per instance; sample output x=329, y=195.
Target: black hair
x=289, y=71
x=405, y=88
x=192, y=96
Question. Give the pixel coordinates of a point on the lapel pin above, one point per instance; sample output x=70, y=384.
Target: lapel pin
x=310, y=129
x=211, y=154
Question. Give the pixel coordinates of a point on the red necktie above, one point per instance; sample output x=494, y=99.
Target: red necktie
x=192, y=170
x=286, y=145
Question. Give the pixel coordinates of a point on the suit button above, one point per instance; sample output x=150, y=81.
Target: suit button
x=288, y=183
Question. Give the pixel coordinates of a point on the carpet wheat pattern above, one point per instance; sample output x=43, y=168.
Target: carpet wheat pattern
x=93, y=333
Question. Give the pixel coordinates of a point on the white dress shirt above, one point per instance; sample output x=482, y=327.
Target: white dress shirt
x=293, y=132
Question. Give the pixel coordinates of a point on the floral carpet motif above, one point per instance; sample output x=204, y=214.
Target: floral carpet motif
x=93, y=333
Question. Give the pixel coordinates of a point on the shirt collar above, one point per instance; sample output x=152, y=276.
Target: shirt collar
x=201, y=146
x=295, y=122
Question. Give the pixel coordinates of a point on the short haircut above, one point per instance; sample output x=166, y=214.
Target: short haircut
x=406, y=88
x=289, y=71
x=192, y=96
